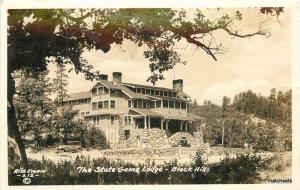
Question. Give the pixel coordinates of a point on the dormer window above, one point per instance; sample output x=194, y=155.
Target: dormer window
x=106, y=90
x=94, y=91
x=100, y=90
x=113, y=91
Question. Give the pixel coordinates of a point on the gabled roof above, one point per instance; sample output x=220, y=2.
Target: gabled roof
x=77, y=96
x=106, y=83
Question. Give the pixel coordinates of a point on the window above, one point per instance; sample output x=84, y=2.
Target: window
x=113, y=91
x=148, y=91
x=161, y=93
x=127, y=120
x=138, y=90
x=170, y=94
x=126, y=134
x=82, y=113
x=144, y=104
x=105, y=104
x=112, y=104
x=86, y=113
x=173, y=94
x=152, y=104
x=100, y=105
x=96, y=120
x=158, y=104
x=183, y=105
x=140, y=104
x=152, y=92
x=112, y=119
x=143, y=90
x=129, y=103
x=94, y=91
x=165, y=103
x=100, y=90
x=156, y=92
x=171, y=104
x=135, y=104
x=165, y=93
x=177, y=105
x=94, y=105
x=106, y=90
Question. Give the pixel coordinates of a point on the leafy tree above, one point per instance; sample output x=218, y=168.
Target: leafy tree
x=32, y=103
x=65, y=126
x=94, y=137
x=66, y=33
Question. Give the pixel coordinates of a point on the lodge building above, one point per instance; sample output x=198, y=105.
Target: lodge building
x=126, y=111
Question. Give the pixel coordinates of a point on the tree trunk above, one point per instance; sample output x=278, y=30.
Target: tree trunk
x=13, y=130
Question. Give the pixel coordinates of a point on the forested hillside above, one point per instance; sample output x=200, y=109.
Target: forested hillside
x=262, y=121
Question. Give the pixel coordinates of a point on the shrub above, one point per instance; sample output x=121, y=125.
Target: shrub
x=95, y=138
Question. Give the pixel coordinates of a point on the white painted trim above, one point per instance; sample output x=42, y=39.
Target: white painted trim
x=137, y=111
x=126, y=94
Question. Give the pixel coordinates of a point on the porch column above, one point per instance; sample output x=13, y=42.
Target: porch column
x=167, y=124
x=161, y=123
x=181, y=123
x=145, y=122
x=186, y=127
x=149, y=122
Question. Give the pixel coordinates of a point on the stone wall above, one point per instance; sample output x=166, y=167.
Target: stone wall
x=151, y=138
x=156, y=138
x=144, y=153
x=175, y=139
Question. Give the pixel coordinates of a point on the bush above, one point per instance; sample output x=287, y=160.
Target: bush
x=244, y=168
x=95, y=138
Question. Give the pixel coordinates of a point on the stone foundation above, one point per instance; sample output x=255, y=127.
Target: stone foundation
x=157, y=138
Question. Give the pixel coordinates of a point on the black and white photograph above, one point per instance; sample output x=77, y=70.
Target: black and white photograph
x=149, y=96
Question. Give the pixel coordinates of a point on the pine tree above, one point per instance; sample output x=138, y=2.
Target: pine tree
x=60, y=82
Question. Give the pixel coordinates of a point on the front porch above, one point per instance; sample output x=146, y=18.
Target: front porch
x=149, y=119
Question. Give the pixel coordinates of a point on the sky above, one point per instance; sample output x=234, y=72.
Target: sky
x=256, y=63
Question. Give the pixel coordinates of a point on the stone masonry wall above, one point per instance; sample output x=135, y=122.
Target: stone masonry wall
x=191, y=140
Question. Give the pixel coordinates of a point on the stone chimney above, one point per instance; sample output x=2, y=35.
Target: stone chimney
x=117, y=78
x=103, y=77
x=178, y=86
